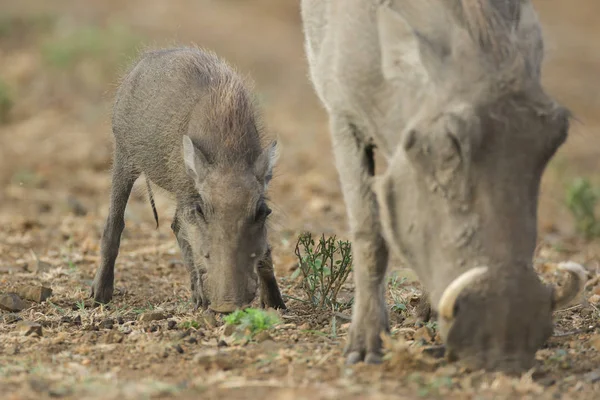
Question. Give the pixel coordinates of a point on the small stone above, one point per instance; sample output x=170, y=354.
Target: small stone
x=12, y=269
x=185, y=333
x=152, y=316
x=424, y=334
x=60, y=338
x=289, y=326
x=304, y=327
x=114, y=336
x=229, y=329
x=107, y=324
x=47, y=323
x=39, y=265
x=11, y=318
x=76, y=206
x=38, y=294
x=595, y=341
x=27, y=328
x=192, y=340
x=38, y=385
x=593, y=376
x=586, y=311
x=210, y=320
x=12, y=302
x=171, y=324
x=594, y=299
x=45, y=207
x=268, y=346
x=262, y=336
x=42, y=266
x=547, y=381
x=174, y=263
x=213, y=358
x=448, y=370
x=60, y=391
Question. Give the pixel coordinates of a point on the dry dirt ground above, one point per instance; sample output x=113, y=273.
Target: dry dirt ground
x=59, y=64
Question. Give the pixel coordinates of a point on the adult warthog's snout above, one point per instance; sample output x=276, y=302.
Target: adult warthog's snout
x=487, y=326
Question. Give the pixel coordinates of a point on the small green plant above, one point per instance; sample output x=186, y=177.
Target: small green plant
x=251, y=321
x=80, y=305
x=72, y=267
x=6, y=101
x=141, y=310
x=399, y=306
x=432, y=325
x=61, y=310
x=429, y=387
x=324, y=269
x=398, y=292
x=396, y=281
x=190, y=324
x=27, y=177
x=582, y=199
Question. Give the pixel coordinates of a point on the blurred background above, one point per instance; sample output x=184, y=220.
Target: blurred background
x=60, y=62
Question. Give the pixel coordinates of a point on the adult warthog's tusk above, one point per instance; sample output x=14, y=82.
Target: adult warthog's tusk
x=454, y=289
x=575, y=286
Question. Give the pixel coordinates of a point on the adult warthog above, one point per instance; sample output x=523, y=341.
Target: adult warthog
x=449, y=91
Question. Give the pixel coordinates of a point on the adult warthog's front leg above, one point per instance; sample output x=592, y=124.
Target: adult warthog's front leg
x=356, y=166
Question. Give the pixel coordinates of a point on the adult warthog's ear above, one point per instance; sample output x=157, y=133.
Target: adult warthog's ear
x=196, y=164
x=411, y=36
x=399, y=47
x=263, y=167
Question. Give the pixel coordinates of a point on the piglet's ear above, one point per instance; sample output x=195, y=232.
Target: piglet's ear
x=195, y=162
x=263, y=167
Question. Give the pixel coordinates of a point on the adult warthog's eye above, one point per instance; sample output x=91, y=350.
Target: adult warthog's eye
x=198, y=210
x=262, y=212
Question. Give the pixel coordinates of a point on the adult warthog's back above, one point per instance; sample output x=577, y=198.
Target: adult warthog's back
x=449, y=91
